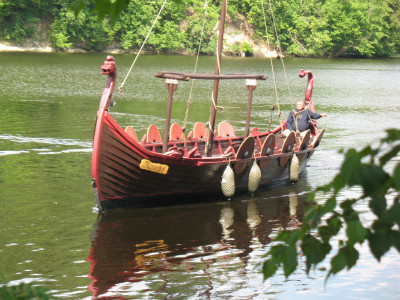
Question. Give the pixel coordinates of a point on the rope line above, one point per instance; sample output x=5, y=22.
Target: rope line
x=275, y=31
x=280, y=51
x=215, y=104
x=208, y=145
x=269, y=47
x=285, y=72
x=265, y=24
x=272, y=64
x=141, y=48
x=189, y=103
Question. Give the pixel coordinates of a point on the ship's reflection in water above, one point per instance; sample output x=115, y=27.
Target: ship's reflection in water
x=196, y=250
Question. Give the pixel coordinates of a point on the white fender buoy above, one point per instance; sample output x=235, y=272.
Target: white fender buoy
x=227, y=220
x=294, y=169
x=254, y=177
x=228, y=182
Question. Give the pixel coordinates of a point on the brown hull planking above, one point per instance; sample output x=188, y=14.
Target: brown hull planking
x=120, y=182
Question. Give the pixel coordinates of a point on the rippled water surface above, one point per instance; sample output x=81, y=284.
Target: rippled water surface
x=51, y=232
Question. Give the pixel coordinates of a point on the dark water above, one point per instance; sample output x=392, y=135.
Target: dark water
x=50, y=231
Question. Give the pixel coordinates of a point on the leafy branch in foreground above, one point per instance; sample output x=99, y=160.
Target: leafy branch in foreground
x=379, y=188
x=23, y=291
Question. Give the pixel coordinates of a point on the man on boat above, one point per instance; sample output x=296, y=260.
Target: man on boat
x=300, y=118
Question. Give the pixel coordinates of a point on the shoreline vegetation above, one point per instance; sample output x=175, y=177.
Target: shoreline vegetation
x=7, y=47
x=312, y=28
x=4, y=47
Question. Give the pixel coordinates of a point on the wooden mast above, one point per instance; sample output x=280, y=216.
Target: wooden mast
x=172, y=85
x=209, y=143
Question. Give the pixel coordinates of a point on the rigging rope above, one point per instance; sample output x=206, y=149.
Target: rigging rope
x=189, y=103
x=278, y=42
x=215, y=104
x=217, y=54
x=287, y=83
x=280, y=51
x=273, y=71
x=141, y=48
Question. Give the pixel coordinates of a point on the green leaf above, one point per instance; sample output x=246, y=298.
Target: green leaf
x=347, y=206
x=290, y=260
x=378, y=204
x=396, y=239
x=294, y=237
x=372, y=179
x=325, y=232
x=393, y=135
x=329, y=205
x=282, y=236
x=379, y=243
x=314, y=250
x=289, y=237
x=335, y=223
x=396, y=176
x=355, y=232
x=350, y=168
x=338, y=183
x=24, y=291
x=367, y=151
x=77, y=6
x=332, y=228
x=392, y=215
x=102, y=7
x=351, y=255
x=277, y=251
x=391, y=154
x=309, y=215
x=317, y=216
x=338, y=262
x=269, y=268
x=310, y=197
x=117, y=8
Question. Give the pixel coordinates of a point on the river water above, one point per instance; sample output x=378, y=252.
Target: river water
x=52, y=233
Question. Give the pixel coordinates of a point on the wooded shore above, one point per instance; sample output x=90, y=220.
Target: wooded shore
x=313, y=28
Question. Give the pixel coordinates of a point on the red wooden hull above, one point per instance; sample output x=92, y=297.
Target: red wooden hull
x=128, y=173
x=119, y=181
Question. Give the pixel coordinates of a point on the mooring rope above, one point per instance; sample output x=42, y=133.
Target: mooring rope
x=141, y=48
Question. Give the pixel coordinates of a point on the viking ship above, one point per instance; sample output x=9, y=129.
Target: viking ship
x=211, y=162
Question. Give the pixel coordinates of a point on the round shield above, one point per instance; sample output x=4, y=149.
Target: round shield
x=245, y=150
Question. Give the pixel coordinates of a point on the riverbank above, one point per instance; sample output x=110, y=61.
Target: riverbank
x=258, y=51
x=9, y=48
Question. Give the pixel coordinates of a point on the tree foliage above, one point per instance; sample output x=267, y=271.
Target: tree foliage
x=23, y=291
x=376, y=171
x=333, y=27
x=305, y=28
x=83, y=30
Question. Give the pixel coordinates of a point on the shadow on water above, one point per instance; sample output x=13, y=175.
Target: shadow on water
x=189, y=250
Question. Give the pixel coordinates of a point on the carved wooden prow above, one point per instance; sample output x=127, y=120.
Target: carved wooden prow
x=109, y=68
x=310, y=84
